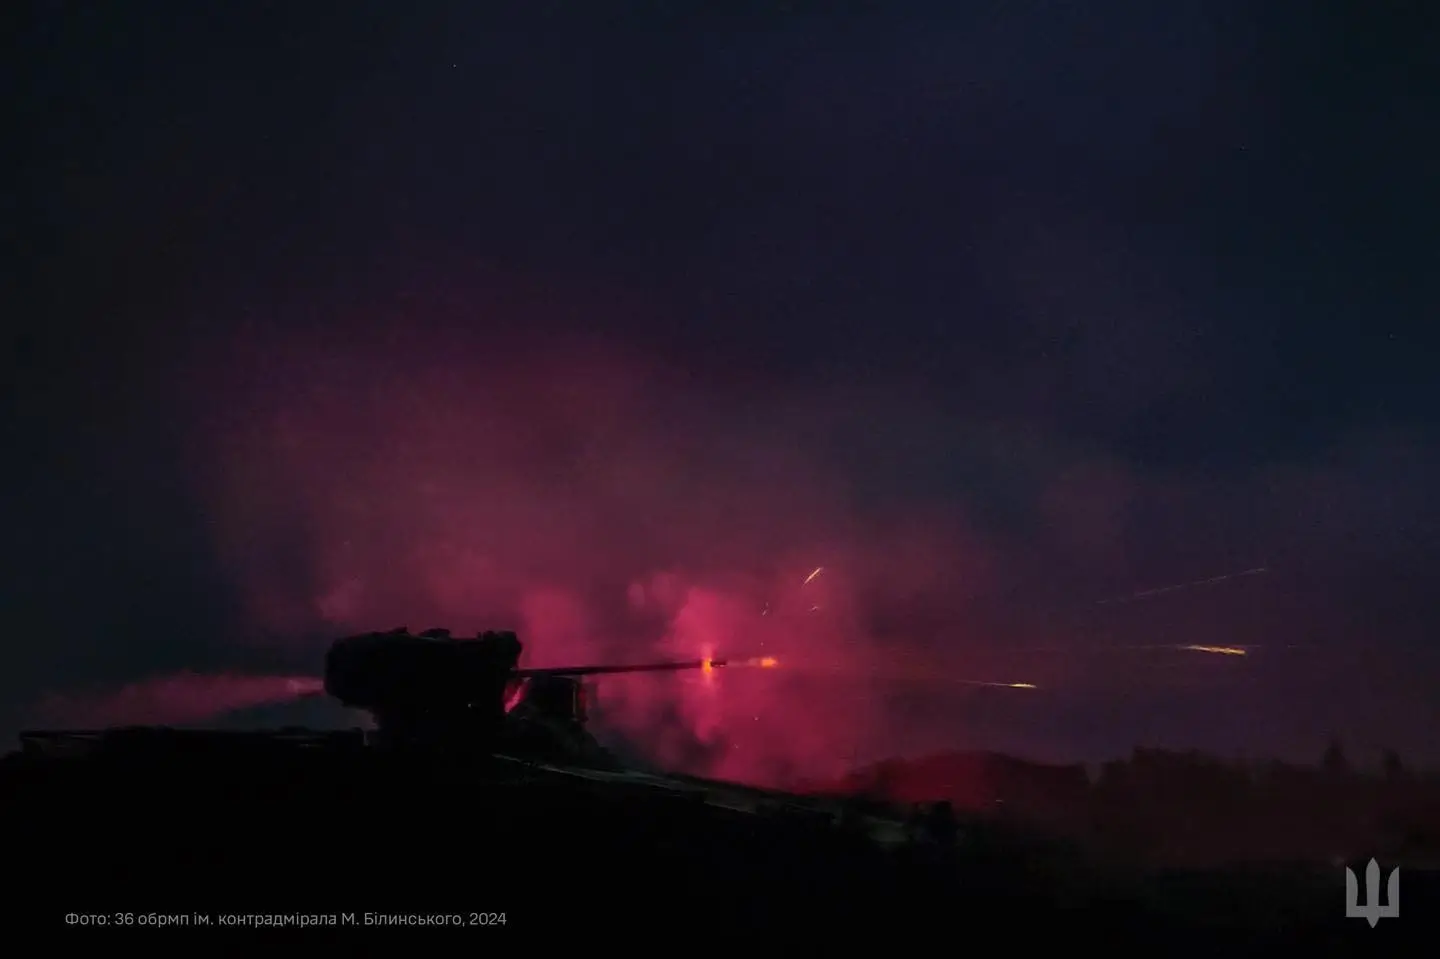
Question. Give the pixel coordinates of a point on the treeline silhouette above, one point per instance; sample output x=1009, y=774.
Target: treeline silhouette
x=1184, y=808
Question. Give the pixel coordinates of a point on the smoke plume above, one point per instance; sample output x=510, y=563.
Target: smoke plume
x=616, y=505
x=175, y=700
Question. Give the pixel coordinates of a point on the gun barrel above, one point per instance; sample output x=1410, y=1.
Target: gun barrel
x=610, y=670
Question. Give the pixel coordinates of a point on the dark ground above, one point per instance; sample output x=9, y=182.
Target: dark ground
x=350, y=833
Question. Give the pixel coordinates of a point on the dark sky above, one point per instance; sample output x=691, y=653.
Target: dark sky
x=351, y=315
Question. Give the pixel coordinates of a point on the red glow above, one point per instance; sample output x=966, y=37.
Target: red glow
x=554, y=491
x=515, y=695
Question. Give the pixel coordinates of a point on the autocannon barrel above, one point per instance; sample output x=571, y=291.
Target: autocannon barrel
x=671, y=667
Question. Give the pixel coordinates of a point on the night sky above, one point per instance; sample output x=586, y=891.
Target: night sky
x=336, y=317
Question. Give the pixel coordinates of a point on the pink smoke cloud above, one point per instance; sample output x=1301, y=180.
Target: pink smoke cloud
x=173, y=700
